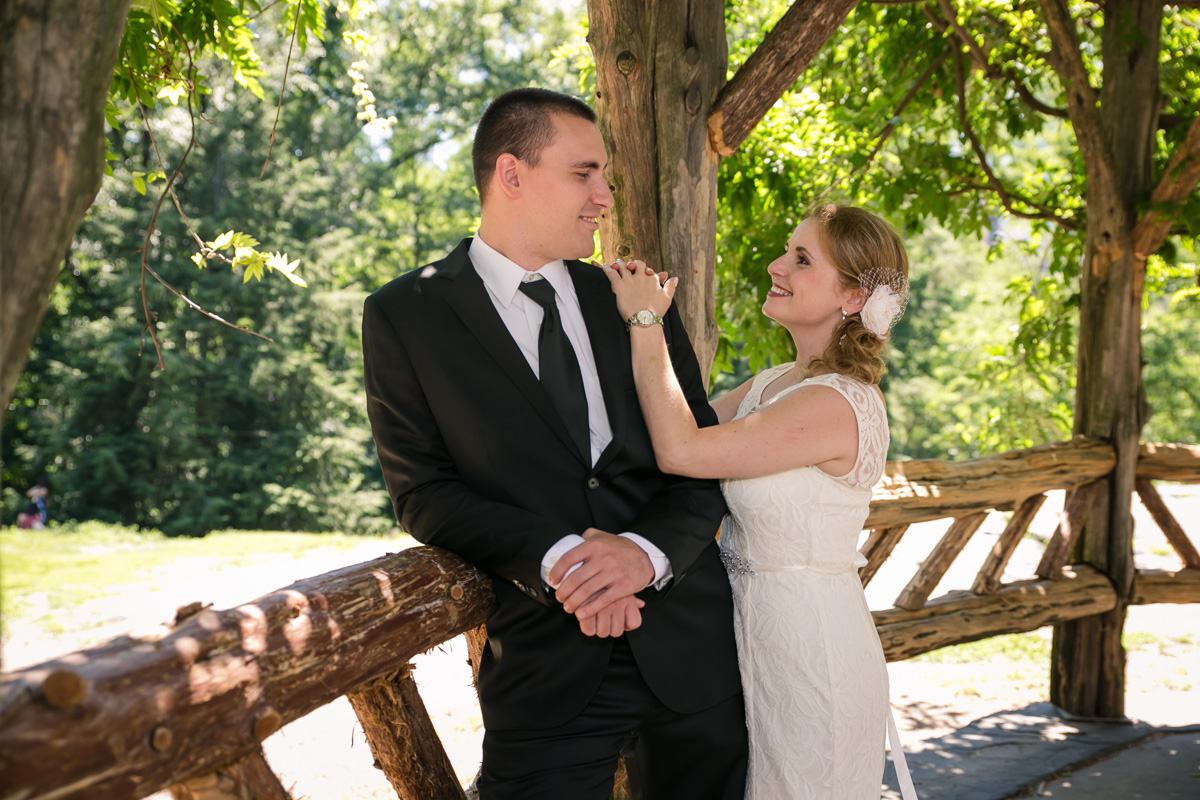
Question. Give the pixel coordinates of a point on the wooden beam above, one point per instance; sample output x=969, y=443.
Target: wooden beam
x=223, y=681
x=1058, y=549
x=880, y=543
x=916, y=491
x=933, y=568
x=1169, y=462
x=1167, y=523
x=1160, y=586
x=988, y=579
x=249, y=778
x=772, y=69
x=961, y=616
x=403, y=740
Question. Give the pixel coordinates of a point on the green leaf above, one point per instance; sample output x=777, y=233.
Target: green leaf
x=173, y=92
x=222, y=241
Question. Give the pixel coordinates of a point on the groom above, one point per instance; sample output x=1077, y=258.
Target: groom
x=501, y=398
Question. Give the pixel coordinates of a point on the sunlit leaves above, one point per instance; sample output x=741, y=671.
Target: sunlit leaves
x=246, y=257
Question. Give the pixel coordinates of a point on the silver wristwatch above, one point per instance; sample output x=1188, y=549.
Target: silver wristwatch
x=643, y=319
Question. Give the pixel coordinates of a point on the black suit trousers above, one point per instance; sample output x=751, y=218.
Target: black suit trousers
x=668, y=755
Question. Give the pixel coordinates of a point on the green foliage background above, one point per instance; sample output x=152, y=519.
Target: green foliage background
x=239, y=432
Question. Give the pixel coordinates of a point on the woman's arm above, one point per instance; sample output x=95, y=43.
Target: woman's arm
x=810, y=426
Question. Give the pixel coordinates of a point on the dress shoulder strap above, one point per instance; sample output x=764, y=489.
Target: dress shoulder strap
x=760, y=382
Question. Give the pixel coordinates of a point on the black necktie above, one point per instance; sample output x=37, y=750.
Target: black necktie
x=559, y=368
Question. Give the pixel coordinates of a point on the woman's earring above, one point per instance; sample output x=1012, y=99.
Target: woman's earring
x=843, y=315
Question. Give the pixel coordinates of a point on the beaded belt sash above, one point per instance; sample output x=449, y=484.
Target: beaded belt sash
x=737, y=564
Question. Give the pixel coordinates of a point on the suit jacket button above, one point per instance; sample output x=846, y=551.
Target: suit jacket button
x=593, y=483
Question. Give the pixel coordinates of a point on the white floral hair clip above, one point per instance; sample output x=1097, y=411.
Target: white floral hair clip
x=887, y=297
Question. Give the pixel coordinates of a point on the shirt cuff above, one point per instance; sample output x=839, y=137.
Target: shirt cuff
x=556, y=552
x=658, y=560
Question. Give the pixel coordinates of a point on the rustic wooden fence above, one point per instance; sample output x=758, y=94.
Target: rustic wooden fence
x=189, y=711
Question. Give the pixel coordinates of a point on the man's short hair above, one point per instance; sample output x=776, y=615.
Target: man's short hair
x=519, y=122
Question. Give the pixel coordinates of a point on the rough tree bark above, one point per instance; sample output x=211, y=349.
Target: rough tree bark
x=56, y=61
x=659, y=68
x=1115, y=129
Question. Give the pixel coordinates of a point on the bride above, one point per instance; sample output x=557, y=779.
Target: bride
x=798, y=449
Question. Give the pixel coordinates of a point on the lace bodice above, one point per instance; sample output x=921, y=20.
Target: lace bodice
x=821, y=515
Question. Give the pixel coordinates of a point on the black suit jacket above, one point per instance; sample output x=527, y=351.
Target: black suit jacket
x=477, y=461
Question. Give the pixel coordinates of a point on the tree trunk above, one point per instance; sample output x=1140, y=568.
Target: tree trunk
x=1117, y=144
x=658, y=69
x=56, y=61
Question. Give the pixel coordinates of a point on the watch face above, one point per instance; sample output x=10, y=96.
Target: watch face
x=645, y=317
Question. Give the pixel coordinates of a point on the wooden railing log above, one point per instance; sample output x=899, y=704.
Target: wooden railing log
x=214, y=682
x=917, y=491
x=1058, y=549
x=934, y=568
x=248, y=778
x=1021, y=606
x=415, y=763
x=988, y=579
x=1162, y=586
x=1169, y=462
x=476, y=640
x=879, y=545
x=1167, y=523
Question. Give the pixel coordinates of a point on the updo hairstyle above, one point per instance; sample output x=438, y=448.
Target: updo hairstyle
x=858, y=242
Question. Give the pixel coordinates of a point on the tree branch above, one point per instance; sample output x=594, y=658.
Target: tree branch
x=1083, y=102
x=169, y=189
x=1006, y=196
x=282, y=88
x=1177, y=182
x=981, y=54
x=886, y=132
x=771, y=69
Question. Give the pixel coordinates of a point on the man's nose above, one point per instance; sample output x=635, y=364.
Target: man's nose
x=602, y=195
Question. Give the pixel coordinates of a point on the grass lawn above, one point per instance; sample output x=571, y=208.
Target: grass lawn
x=45, y=572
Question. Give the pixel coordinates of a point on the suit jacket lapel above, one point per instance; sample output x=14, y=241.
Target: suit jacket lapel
x=468, y=297
x=610, y=348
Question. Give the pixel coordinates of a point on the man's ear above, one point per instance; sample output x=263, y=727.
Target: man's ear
x=509, y=175
x=855, y=299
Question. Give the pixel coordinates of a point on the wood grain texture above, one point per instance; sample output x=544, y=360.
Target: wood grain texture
x=934, y=567
x=248, y=778
x=879, y=545
x=1079, y=505
x=959, y=616
x=917, y=491
x=403, y=740
x=772, y=69
x=1167, y=523
x=223, y=680
x=1161, y=586
x=987, y=581
x=658, y=68
x=57, y=59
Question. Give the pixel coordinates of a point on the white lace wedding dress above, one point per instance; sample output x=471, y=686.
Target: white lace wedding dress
x=812, y=666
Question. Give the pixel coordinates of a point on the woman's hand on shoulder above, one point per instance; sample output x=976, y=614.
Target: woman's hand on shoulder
x=638, y=287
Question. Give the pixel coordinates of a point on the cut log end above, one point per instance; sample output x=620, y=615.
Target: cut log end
x=64, y=689
x=267, y=723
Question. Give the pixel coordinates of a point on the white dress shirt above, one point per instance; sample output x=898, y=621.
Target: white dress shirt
x=523, y=317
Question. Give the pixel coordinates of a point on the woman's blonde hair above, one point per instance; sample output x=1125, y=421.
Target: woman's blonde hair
x=858, y=242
